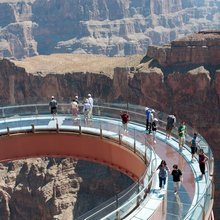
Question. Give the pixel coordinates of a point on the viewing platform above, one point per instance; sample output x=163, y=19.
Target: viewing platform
x=30, y=131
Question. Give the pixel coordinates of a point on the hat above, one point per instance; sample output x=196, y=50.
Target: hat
x=89, y=95
x=146, y=108
x=76, y=97
x=52, y=97
x=86, y=100
x=153, y=110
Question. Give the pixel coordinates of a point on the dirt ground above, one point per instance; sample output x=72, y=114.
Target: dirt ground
x=67, y=63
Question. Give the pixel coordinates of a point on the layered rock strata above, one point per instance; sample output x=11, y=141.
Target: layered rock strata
x=61, y=189
x=202, y=48
x=116, y=27
x=191, y=90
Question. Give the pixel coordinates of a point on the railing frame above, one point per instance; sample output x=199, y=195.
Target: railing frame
x=136, y=110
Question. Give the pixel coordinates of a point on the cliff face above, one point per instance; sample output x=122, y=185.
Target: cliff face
x=166, y=88
x=192, y=91
x=201, y=48
x=192, y=94
x=35, y=185
x=49, y=188
x=117, y=27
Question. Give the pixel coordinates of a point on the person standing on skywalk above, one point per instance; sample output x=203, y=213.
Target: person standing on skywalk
x=53, y=107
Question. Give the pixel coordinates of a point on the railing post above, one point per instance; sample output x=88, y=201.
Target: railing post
x=145, y=152
x=211, y=163
x=80, y=129
x=8, y=131
x=36, y=110
x=33, y=128
x=213, y=188
x=101, y=131
x=57, y=127
x=119, y=138
x=138, y=197
x=117, y=213
x=203, y=213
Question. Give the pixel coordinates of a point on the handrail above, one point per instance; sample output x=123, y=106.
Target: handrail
x=190, y=132
x=17, y=110
x=124, y=205
x=137, y=116
x=197, y=205
x=100, y=208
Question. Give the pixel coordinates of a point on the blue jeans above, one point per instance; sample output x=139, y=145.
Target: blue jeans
x=162, y=181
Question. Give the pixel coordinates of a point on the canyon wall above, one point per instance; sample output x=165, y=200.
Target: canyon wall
x=202, y=48
x=193, y=95
x=55, y=188
x=116, y=27
x=190, y=89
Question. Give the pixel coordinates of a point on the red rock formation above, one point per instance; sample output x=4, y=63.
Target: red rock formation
x=202, y=48
x=191, y=91
x=116, y=27
x=49, y=188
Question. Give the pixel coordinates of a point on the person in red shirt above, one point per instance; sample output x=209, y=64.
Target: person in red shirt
x=125, y=119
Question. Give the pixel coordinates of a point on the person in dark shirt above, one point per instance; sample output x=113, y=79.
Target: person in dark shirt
x=202, y=160
x=53, y=106
x=151, y=119
x=177, y=178
x=171, y=120
x=163, y=170
x=154, y=128
x=193, y=146
x=147, y=112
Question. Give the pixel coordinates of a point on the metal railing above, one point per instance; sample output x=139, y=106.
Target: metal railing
x=35, y=118
x=117, y=209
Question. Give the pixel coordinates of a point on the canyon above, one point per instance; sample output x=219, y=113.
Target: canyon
x=112, y=28
x=166, y=78
x=55, y=188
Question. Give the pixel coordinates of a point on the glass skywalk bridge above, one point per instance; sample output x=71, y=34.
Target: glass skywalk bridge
x=142, y=200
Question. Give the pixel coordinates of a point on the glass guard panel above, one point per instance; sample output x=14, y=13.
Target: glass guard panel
x=26, y=116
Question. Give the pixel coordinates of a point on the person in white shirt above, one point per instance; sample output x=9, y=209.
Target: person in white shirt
x=86, y=110
x=90, y=101
x=75, y=109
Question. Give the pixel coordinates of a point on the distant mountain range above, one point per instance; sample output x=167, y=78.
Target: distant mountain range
x=107, y=27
